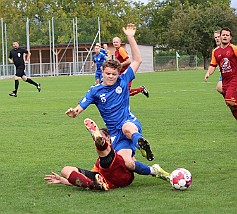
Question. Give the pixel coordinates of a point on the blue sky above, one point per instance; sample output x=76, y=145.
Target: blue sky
x=233, y=3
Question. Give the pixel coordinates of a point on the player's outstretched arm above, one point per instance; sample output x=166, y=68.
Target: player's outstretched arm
x=54, y=178
x=130, y=31
x=73, y=112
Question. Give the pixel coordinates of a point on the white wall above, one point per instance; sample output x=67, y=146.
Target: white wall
x=147, y=57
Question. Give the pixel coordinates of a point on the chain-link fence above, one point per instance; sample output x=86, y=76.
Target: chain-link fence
x=168, y=63
x=46, y=69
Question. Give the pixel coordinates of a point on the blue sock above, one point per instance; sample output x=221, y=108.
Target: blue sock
x=135, y=137
x=142, y=169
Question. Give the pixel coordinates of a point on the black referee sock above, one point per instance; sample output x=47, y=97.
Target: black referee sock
x=31, y=82
x=16, y=86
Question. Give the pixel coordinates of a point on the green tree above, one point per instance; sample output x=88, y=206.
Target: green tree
x=192, y=27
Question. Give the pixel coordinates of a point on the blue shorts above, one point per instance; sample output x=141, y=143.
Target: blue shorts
x=98, y=75
x=220, y=78
x=120, y=141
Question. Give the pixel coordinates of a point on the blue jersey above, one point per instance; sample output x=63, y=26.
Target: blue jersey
x=112, y=101
x=103, y=51
x=99, y=60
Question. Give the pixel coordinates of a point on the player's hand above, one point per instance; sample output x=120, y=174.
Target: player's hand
x=10, y=60
x=130, y=30
x=71, y=112
x=206, y=76
x=26, y=62
x=54, y=178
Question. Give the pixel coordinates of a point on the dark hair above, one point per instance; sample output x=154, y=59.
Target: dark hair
x=105, y=131
x=226, y=29
x=111, y=63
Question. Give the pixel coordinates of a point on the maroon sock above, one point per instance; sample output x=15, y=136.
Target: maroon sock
x=135, y=91
x=79, y=179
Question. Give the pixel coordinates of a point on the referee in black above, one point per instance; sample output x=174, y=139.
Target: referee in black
x=16, y=56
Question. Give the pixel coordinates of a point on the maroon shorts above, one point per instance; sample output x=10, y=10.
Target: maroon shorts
x=230, y=91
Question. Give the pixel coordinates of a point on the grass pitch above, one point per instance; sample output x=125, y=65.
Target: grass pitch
x=185, y=120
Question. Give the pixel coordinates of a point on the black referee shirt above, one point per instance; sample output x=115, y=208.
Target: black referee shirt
x=17, y=56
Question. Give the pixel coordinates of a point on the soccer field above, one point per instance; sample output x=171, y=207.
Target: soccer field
x=185, y=120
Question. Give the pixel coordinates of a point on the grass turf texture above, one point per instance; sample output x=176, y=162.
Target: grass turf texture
x=185, y=120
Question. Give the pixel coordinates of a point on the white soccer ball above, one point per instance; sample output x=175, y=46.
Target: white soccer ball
x=180, y=179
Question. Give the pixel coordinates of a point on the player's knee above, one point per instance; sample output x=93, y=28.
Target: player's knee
x=24, y=78
x=67, y=170
x=128, y=129
x=130, y=164
x=219, y=89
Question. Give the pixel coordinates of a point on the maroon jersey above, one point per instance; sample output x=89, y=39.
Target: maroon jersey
x=121, y=55
x=117, y=175
x=226, y=58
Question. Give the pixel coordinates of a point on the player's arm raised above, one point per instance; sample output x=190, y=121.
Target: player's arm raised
x=136, y=56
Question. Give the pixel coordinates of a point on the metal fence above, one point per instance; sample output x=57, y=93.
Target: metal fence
x=168, y=63
x=161, y=63
x=47, y=69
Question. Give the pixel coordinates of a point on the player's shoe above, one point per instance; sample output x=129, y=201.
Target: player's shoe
x=38, y=87
x=145, y=91
x=145, y=149
x=100, y=183
x=94, y=131
x=13, y=94
x=161, y=173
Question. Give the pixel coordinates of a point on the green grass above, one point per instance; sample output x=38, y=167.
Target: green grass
x=185, y=120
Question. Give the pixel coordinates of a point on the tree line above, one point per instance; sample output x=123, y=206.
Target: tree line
x=183, y=25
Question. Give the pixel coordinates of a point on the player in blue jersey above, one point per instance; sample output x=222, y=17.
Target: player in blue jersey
x=217, y=44
x=112, y=100
x=103, y=50
x=98, y=59
x=105, y=47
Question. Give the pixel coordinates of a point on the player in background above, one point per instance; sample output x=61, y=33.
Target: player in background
x=98, y=60
x=109, y=171
x=226, y=57
x=111, y=98
x=105, y=47
x=122, y=56
x=102, y=50
x=218, y=43
x=16, y=56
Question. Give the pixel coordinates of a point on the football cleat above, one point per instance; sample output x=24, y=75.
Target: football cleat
x=161, y=173
x=38, y=87
x=13, y=94
x=145, y=149
x=145, y=91
x=100, y=183
x=94, y=131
